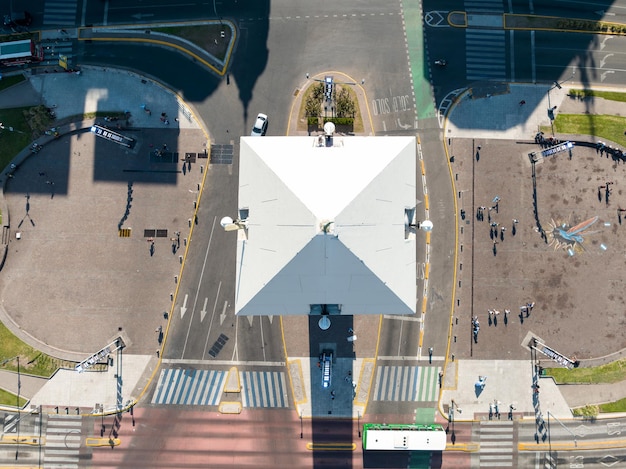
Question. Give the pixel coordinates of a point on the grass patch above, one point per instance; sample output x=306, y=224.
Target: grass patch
x=207, y=37
x=589, y=411
x=32, y=361
x=303, y=124
x=10, y=81
x=9, y=399
x=613, y=372
x=610, y=95
x=617, y=406
x=12, y=142
x=607, y=127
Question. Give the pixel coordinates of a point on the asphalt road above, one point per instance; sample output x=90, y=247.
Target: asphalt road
x=272, y=56
x=478, y=53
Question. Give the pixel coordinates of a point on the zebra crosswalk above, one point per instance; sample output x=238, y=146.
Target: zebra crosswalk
x=496, y=444
x=264, y=389
x=60, y=12
x=63, y=439
x=406, y=383
x=485, y=48
x=189, y=387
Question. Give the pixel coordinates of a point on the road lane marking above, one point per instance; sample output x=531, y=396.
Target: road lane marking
x=206, y=256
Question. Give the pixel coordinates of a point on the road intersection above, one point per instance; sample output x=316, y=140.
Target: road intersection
x=201, y=317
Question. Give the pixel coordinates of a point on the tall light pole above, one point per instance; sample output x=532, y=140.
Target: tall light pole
x=17, y=404
x=551, y=109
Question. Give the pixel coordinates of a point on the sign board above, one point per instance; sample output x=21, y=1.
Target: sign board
x=100, y=355
x=557, y=149
x=63, y=61
x=554, y=355
x=561, y=147
x=112, y=136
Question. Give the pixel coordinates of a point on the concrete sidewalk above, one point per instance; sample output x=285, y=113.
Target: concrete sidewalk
x=72, y=96
x=501, y=116
x=509, y=382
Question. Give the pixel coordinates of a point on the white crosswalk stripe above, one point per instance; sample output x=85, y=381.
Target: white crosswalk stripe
x=189, y=387
x=485, y=49
x=60, y=12
x=63, y=439
x=496, y=444
x=263, y=389
x=406, y=383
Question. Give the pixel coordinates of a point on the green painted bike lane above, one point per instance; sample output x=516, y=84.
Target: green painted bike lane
x=415, y=43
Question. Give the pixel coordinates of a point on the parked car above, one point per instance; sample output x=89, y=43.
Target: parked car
x=260, y=126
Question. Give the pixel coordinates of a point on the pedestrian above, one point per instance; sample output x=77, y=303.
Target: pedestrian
x=522, y=102
x=166, y=122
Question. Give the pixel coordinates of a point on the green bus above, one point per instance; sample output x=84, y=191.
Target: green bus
x=403, y=437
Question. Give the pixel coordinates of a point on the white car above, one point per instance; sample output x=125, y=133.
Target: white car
x=260, y=126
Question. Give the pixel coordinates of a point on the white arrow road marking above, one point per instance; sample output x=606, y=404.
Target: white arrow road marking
x=203, y=312
x=183, y=308
x=223, y=315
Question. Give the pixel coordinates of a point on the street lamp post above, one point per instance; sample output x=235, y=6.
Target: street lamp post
x=17, y=404
x=551, y=109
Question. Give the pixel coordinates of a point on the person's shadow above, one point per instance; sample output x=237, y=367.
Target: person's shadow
x=478, y=388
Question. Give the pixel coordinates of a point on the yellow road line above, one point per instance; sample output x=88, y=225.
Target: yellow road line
x=571, y=446
x=464, y=447
x=98, y=442
x=23, y=440
x=331, y=446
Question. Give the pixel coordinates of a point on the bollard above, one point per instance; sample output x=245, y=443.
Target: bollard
x=180, y=258
x=461, y=248
x=185, y=241
x=195, y=204
x=198, y=186
x=171, y=297
x=201, y=169
x=175, y=278
x=461, y=266
x=189, y=221
x=454, y=339
x=452, y=357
